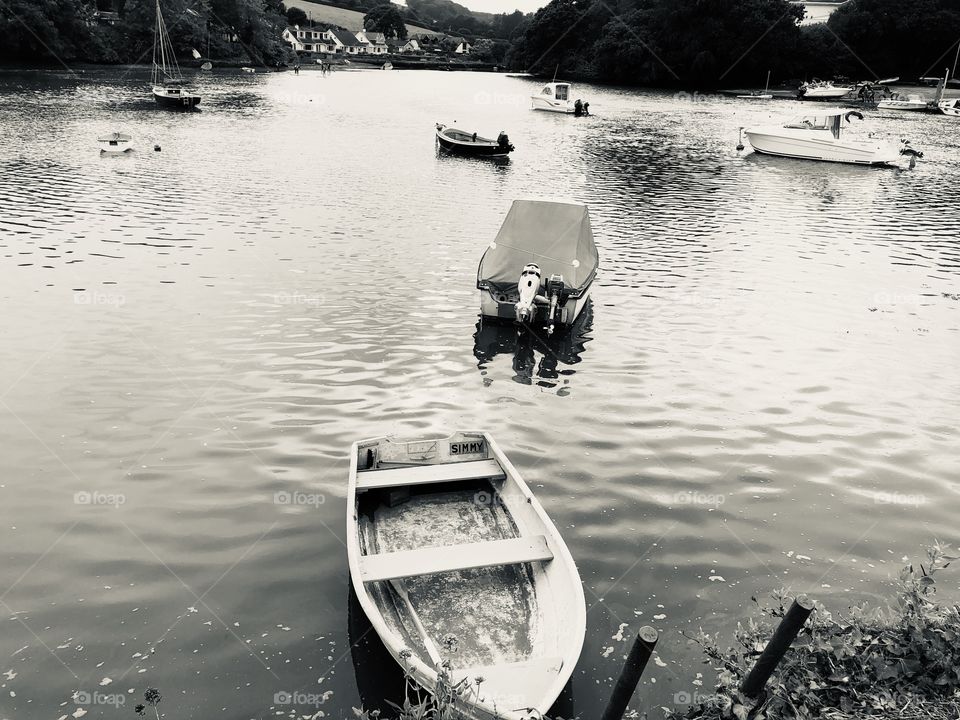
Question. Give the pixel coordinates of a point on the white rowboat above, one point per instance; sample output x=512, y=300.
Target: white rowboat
x=454, y=561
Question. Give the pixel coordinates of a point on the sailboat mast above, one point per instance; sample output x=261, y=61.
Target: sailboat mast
x=955, y=61
x=768, y=82
x=156, y=37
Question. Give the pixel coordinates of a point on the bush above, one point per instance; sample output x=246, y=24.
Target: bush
x=902, y=661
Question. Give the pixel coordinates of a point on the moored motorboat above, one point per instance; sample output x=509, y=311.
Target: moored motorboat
x=553, y=97
x=462, y=573
x=913, y=103
x=458, y=141
x=949, y=107
x=822, y=90
x=115, y=143
x=820, y=135
x=540, y=268
x=167, y=80
x=247, y=69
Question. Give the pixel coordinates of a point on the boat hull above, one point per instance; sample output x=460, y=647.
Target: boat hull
x=481, y=148
x=820, y=146
x=903, y=105
x=532, y=619
x=175, y=101
x=550, y=105
x=824, y=93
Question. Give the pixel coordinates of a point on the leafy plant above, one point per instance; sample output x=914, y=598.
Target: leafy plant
x=902, y=660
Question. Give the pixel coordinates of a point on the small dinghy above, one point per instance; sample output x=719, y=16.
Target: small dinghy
x=247, y=69
x=115, y=144
x=463, y=143
x=541, y=266
x=456, y=565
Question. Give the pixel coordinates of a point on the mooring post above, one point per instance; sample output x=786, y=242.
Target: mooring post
x=783, y=636
x=643, y=646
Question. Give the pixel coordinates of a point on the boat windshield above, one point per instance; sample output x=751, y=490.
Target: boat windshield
x=563, y=92
x=814, y=122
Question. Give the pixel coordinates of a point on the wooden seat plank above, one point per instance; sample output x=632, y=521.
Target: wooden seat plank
x=429, y=561
x=427, y=474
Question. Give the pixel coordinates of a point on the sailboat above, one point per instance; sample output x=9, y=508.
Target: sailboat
x=765, y=95
x=168, y=85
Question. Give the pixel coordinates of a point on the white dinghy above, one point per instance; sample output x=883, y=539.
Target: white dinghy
x=455, y=562
x=116, y=143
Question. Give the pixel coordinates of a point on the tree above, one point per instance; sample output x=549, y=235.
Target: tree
x=296, y=16
x=386, y=19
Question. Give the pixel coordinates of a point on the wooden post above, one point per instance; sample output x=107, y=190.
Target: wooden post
x=783, y=636
x=643, y=646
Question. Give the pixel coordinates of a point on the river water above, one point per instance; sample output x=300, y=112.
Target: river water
x=764, y=396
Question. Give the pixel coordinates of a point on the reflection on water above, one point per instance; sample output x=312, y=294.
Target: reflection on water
x=537, y=357
x=767, y=395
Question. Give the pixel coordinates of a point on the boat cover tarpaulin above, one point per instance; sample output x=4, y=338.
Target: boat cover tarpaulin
x=555, y=236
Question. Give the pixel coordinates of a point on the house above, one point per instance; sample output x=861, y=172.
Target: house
x=321, y=42
x=101, y=17
x=345, y=43
x=374, y=43
x=818, y=12
x=463, y=48
x=410, y=46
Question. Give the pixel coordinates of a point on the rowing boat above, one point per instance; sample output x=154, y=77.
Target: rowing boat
x=457, y=566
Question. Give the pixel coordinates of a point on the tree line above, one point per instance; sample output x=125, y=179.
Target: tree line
x=715, y=43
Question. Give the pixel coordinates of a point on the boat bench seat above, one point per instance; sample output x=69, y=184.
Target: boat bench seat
x=427, y=474
x=429, y=561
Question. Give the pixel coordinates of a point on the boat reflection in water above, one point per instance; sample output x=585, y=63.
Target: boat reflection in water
x=380, y=680
x=557, y=353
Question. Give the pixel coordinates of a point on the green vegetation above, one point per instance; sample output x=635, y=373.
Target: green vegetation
x=69, y=30
x=708, y=43
x=896, y=662
x=386, y=19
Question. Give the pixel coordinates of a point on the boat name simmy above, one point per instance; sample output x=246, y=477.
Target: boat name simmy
x=467, y=448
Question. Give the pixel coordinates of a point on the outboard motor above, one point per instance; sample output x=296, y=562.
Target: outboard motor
x=529, y=289
x=555, y=288
x=504, y=142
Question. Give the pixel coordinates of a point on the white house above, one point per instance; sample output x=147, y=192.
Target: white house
x=818, y=12
x=410, y=46
x=374, y=43
x=310, y=40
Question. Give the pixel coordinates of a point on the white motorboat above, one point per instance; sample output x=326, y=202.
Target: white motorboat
x=462, y=573
x=553, y=97
x=248, y=69
x=950, y=107
x=912, y=103
x=822, y=90
x=820, y=135
x=115, y=143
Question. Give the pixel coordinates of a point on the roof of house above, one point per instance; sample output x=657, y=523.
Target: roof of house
x=345, y=38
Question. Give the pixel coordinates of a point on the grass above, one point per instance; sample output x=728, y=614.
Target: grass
x=349, y=19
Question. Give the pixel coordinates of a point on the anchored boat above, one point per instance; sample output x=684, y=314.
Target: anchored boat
x=553, y=97
x=541, y=266
x=115, y=143
x=169, y=90
x=822, y=90
x=455, y=562
x=460, y=142
x=821, y=136
x=915, y=103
